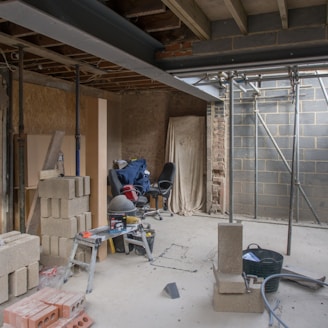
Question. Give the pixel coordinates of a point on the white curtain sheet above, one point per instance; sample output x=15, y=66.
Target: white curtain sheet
x=185, y=146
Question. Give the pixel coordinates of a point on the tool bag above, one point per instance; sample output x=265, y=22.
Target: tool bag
x=130, y=193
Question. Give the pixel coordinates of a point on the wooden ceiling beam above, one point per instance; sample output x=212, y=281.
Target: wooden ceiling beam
x=238, y=13
x=283, y=10
x=191, y=15
x=143, y=8
x=46, y=53
x=160, y=22
x=42, y=41
x=16, y=30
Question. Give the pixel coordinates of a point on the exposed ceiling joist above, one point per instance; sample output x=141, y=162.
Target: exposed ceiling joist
x=48, y=21
x=283, y=10
x=46, y=53
x=159, y=22
x=144, y=8
x=190, y=13
x=238, y=13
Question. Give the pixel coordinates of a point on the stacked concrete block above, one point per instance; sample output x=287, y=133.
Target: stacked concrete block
x=64, y=213
x=231, y=292
x=19, y=269
x=48, y=307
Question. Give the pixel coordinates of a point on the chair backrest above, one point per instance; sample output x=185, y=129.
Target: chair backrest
x=114, y=182
x=166, y=178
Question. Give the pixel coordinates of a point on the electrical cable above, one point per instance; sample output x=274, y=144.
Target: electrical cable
x=284, y=275
x=10, y=67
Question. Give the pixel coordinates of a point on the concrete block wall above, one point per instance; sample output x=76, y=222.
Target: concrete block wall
x=274, y=180
x=64, y=213
x=19, y=269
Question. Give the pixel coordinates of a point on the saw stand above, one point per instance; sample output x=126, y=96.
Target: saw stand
x=95, y=237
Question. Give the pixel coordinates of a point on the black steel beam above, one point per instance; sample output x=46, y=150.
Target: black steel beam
x=232, y=61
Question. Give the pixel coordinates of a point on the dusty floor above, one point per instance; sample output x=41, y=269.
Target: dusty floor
x=128, y=290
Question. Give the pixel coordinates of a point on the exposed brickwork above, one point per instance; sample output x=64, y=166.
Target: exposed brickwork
x=216, y=174
x=306, y=25
x=175, y=50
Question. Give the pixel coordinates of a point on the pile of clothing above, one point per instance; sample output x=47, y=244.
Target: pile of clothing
x=135, y=173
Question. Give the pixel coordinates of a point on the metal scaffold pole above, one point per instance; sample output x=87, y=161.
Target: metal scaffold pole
x=287, y=166
x=256, y=158
x=77, y=129
x=231, y=152
x=293, y=179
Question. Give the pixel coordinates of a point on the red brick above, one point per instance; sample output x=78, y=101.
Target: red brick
x=173, y=47
x=59, y=300
x=23, y=306
x=44, y=293
x=44, y=318
x=73, y=305
x=82, y=320
x=22, y=315
x=60, y=323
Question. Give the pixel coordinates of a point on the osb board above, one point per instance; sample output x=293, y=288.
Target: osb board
x=37, y=146
x=47, y=109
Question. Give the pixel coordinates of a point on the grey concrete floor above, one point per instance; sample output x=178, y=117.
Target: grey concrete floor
x=128, y=290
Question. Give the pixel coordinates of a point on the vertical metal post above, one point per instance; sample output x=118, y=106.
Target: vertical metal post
x=323, y=87
x=21, y=142
x=231, y=152
x=297, y=154
x=287, y=166
x=10, y=157
x=294, y=167
x=256, y=141
x=77, y=122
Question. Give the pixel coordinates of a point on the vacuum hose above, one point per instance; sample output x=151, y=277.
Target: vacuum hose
x=284, y=275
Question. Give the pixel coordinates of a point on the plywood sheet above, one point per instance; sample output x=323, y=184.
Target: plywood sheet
x=37, y=146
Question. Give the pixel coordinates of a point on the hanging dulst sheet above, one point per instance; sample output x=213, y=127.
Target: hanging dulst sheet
x=185, y=146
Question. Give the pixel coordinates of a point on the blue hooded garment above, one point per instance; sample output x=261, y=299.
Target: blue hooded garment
x=134, y=174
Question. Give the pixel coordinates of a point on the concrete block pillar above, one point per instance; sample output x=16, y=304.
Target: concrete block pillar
x=230, y=243
x=230, y=293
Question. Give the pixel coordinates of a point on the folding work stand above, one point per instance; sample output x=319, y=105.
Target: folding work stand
x=95, y=237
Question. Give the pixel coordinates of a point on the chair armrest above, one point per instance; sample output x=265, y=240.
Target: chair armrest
x=163, y=190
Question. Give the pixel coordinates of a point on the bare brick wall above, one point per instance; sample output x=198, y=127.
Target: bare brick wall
x=216, y=158
x=145, y=117
x=274, y=179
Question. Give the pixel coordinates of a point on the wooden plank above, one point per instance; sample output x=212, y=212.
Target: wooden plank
x=144, y=8
x=49, y=54
x=160, y=22
x=33, y=220
x=48, y=174
x=283, y=13
x=238, y=13
x=191, y=15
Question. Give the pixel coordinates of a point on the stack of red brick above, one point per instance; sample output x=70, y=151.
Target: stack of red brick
x=48, y=307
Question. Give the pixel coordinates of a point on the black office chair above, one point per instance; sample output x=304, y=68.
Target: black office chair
x=132, y=194
x=162, y=188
